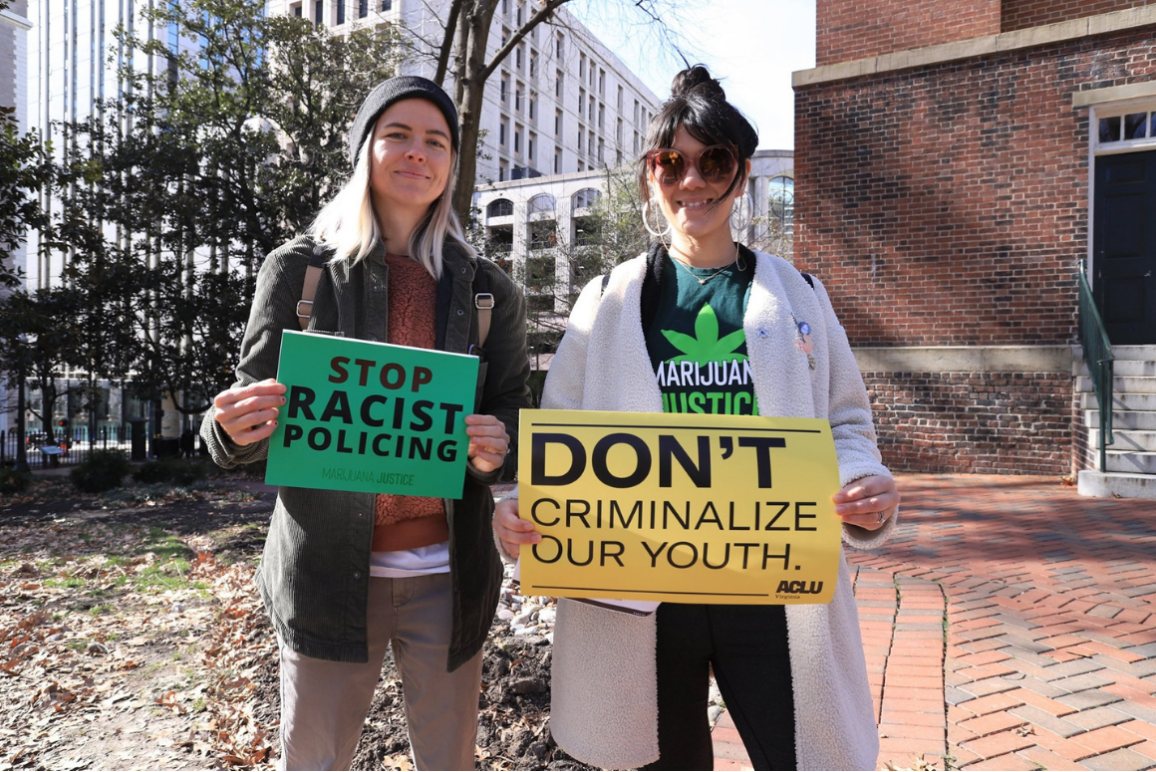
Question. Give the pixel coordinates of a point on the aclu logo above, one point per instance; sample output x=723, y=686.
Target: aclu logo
x=799, y=588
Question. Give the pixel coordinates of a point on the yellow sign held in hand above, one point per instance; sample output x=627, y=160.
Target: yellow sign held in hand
x=679, y=508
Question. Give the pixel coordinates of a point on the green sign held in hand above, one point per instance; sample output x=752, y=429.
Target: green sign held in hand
x=371, y=417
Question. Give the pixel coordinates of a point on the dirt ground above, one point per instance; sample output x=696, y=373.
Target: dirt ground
x=131, y=637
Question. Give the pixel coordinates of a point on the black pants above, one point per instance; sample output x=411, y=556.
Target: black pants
x=747, y=646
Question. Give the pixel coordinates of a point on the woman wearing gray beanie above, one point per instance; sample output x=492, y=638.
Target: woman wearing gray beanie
x=346, y=575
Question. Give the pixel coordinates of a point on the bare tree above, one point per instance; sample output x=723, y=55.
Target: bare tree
x=463, y=55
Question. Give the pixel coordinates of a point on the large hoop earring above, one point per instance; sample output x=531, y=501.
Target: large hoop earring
x=646, y=223
x=745, y=208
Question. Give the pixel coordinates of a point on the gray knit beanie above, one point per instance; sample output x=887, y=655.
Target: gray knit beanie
x=393, y=90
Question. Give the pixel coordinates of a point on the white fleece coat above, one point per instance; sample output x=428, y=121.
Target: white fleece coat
x=604, y=710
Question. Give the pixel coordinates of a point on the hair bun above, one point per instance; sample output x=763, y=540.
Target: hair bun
x=696, y=78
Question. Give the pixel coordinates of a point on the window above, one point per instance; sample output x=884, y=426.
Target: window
x=620, y=99
x=581, y=137
x=505, y=7
x=558, y=85
x=590, y=143
x=503, y=171
x=581, y=166
x=517, y=140
x=504, y=89
x=518, y=98
x=505, y=35
x=503, y=130
x=557, y=123
x=781, y=201
x=1126, y=128
x=518, y=16
x=503, y=207
x=340, y=11
x=582, y=67
x=558, y=47
x=601, y=151
x=519, y=53
x=585, y=197
x=590, y=114
x=362, y=8
x=581, y=101
x=533, y=106
x=601, y=117
x=557, y=161
x=531, y=142
x=601, y=82
x=175, y=32
x=534, y=64
x=387, y=5
x=618, y=134
x=318, y=11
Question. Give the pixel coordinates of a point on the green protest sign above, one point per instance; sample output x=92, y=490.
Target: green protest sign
x=371, y=417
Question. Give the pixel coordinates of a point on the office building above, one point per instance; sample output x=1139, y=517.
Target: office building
x=561, y=102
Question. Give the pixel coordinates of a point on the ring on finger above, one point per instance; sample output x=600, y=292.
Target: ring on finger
x=882, y=517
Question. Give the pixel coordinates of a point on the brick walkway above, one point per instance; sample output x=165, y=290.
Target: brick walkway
x=1048, y=601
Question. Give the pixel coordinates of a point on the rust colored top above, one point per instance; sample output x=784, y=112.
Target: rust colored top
x=407, y=522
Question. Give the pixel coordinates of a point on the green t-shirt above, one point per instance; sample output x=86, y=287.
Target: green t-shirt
x=697, y=344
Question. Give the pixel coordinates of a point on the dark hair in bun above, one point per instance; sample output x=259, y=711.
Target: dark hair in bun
x=699, y=104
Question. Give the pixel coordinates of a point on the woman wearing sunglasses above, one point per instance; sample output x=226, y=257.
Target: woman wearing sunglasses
x=631, y=691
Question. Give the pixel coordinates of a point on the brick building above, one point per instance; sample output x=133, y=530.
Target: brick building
x=955, y=160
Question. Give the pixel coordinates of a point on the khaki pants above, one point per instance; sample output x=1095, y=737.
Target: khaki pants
x=324, y=703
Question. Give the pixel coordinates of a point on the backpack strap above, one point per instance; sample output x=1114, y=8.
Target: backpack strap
x=483, y=302
x=309, y=290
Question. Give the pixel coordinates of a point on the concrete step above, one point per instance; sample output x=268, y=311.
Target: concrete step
x=1125, y=439
x=1121, y=384
x=1134, y=352
x=1123, y=419
x=1121, y=401
x=1131, y=461
x=1113, y=484
x=1124, y=353
x=1124, y=367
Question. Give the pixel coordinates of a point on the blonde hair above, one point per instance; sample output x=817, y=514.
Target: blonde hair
x=347, y=224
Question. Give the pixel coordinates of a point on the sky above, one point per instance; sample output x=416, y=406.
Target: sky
x=752, y=46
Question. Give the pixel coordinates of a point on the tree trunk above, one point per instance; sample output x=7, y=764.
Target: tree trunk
x=469, y=89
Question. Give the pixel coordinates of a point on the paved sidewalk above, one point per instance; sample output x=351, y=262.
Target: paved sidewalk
x=1009, y=624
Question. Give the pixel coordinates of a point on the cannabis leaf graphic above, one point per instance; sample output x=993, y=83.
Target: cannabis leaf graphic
x=706, y=347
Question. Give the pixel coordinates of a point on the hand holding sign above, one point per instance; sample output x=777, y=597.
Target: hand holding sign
x=248, y=414
x=489, y=442
x=867, y=502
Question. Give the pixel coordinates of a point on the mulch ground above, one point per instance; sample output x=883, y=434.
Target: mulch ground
x=131, y=637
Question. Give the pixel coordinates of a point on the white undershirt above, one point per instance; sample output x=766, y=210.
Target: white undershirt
x=434, y=559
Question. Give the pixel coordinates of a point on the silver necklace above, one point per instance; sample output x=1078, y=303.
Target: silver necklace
x=738, y=262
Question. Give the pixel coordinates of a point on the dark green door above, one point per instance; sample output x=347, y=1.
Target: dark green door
x=1124, y=246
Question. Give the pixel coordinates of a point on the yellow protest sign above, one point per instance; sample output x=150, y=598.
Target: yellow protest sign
x=680, y=508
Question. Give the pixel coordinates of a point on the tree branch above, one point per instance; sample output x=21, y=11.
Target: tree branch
x=448, y=42
x=544, y=13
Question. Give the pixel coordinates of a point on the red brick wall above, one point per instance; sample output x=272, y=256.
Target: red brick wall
x=947, y=205
x=984, y=423
x=1021, y=14
x=856, y=29
x=1082, y=451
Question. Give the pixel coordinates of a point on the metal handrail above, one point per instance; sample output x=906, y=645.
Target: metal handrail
x=1101, y=363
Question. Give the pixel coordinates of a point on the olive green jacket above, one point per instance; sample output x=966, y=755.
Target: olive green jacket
x=314, y=573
